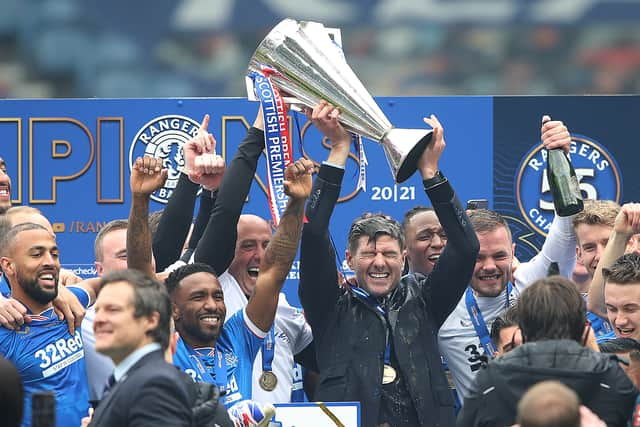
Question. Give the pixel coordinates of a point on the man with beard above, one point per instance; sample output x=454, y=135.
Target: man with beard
x=5, y=188
x=207, y=350
x=233, y=245
x=464, y=339
x=12, y=313
x=46, y=354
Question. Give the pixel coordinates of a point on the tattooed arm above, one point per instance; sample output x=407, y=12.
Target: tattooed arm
x=282, y=248
x=147, y=176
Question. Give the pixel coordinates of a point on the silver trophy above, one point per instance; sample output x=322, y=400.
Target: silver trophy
x=309, y=67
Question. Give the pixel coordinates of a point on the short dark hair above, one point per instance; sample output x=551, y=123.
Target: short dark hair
x=549, y=403
x=172, y=282
x=116, y=224
x=411, y=213
x=619, y=345
x=551, y=308
x=9, y=238
x=486, y=220
x=624, y=270
x=507, y=318
x=149, y=296
x=372, y=226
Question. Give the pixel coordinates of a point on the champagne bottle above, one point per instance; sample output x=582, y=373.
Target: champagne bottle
x=563, y=182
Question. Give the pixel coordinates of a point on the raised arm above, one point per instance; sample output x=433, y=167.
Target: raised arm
x=217, y=245
x=282, y=248
x=627, y=223
x=318, y=286
x=174, y=224
x=560, y=244
x=147, y=176
x=201, y=167
x=451, y=275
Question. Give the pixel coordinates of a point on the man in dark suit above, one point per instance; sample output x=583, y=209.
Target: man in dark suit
x=132, y=327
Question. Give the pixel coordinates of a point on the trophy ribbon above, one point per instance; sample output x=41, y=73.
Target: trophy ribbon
x=362, y=164
x=276, y=139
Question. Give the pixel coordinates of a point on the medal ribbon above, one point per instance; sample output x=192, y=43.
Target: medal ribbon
x=268, y=350
x=214, y=358
x=478, y=320
x=276, y=138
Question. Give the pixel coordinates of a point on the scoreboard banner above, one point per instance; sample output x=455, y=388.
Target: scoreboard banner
x=71, y=158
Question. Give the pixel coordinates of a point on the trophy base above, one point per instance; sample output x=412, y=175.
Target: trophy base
x=409, y=164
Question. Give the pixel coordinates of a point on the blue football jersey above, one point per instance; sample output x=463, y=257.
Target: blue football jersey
x=239, y=345
x=49, y=358
x=5, y=290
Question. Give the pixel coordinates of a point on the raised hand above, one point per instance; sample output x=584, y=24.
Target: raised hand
x=297, y=184
x=202, y=164
x=428, y=162
x=628, y=219
x=147, y=175
x=12, y=313
x=324, y=117
x=554, y=134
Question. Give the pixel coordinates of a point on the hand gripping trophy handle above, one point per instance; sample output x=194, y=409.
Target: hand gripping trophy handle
x=307, y=67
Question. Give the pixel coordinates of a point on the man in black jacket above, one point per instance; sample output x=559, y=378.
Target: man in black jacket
x=376, y=343
x=552, y=318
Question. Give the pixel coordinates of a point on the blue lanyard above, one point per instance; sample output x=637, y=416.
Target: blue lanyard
x=268, y=349
x=478, y=320
x=370, y=301
x=214, y=359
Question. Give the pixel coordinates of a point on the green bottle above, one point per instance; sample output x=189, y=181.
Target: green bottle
x=563, y=182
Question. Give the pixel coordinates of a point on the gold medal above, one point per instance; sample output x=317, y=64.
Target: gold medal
x=268, y=381
x=388, y=374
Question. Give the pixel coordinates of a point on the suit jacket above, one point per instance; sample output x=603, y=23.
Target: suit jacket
x=152, y=393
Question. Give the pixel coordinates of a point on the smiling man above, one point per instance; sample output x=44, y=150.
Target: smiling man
x=212, y=348
x=464, y=339
x=425, y=239
x=131, y=326
x=622, y=295
x=377, y=342
x=46, y=354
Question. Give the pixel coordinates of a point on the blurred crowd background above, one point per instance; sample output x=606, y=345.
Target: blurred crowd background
x=180, y=48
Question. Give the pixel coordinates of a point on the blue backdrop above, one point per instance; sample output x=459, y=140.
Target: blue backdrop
x=71, y=158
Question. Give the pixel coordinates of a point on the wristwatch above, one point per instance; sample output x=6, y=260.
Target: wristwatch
x=435, y=180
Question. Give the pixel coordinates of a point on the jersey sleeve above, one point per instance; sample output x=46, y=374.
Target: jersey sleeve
x=243, y=332
x=81, y=294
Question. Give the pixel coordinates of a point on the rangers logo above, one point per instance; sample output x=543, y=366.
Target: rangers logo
x=163, y=137
x=597, y=172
